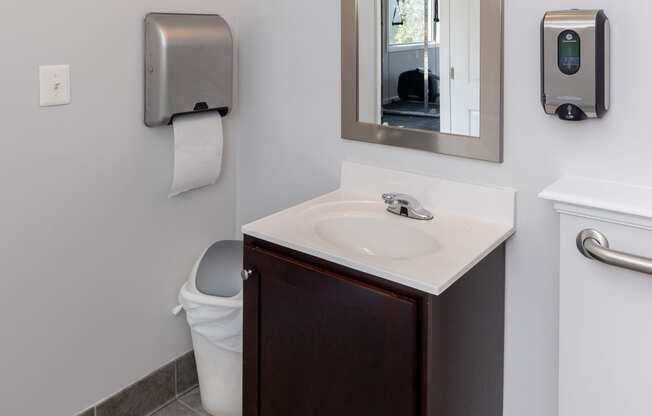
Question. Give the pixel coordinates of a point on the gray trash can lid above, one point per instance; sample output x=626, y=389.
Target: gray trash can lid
x=219, y=270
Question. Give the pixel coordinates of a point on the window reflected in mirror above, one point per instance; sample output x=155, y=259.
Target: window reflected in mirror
x=419, y=64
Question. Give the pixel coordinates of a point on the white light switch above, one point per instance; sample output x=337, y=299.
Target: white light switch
x=55, y=85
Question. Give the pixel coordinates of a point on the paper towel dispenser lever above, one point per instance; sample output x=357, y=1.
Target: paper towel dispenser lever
x=188, y=66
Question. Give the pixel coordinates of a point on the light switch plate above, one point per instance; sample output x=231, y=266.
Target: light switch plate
x=55, y=85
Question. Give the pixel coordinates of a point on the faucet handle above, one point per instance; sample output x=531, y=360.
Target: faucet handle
x=390, y=198
x=403, y=200
x=406, y=205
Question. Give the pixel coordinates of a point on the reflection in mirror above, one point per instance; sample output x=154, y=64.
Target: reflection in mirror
x=419, y=64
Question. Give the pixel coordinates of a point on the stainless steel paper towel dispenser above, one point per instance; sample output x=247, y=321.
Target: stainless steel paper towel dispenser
x=188, y=66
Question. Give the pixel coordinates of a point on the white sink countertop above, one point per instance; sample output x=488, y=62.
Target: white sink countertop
x=352, y=227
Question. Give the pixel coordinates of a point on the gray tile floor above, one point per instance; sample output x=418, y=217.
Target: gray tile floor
x=187, y=405
x=413, y=122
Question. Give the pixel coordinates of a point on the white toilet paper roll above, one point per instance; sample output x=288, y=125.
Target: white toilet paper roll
x=198, y=148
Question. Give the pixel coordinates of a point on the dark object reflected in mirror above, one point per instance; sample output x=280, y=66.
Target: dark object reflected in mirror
x=410, y=108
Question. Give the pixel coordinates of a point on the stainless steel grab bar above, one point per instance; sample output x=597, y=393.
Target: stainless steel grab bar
x=595, y=246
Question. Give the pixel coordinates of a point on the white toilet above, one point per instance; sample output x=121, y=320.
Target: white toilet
x=212, y=299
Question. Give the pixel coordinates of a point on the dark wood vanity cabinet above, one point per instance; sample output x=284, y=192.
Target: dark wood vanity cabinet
x=323, y=340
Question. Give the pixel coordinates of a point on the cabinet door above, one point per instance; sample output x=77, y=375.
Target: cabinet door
x=322, y=344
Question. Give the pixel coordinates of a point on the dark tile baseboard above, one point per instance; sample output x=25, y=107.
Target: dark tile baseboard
x=152, y=392
x=186, y=373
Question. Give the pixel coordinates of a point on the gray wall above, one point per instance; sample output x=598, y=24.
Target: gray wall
x=291, y=151
x=92, y=252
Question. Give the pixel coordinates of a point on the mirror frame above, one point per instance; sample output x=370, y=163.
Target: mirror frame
x=488, y=147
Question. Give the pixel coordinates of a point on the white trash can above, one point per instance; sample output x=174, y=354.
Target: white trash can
x=212, y=299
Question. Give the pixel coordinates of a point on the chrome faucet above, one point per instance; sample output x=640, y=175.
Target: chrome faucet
x=406, y=206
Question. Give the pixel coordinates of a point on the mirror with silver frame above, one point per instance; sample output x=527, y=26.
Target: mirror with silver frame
x=424, y=74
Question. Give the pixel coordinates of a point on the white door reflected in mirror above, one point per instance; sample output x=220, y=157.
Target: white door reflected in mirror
x=419, y=64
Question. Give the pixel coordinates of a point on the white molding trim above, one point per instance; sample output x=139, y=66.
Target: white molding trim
x=604, y=216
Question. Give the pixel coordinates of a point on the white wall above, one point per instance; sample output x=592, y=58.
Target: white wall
x=92, y=252
x=291, y=149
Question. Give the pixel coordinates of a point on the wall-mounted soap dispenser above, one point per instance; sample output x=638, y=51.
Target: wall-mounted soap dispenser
x=188, y=66
x=575, y=59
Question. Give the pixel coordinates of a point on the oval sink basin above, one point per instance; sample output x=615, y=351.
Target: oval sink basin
x=376, y=234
